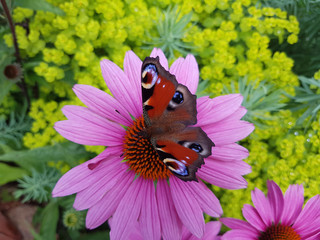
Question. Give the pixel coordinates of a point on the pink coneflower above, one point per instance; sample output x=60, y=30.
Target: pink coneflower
x=277, y=217
x=160, y=202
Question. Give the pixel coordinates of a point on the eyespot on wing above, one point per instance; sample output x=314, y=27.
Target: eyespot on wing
x=181, y=161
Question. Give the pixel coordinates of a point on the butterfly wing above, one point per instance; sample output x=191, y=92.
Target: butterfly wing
x=165, y=101
x=168, y=108
x=183, y=153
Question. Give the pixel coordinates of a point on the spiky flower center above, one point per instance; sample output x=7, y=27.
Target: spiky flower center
x=73, y=219
x=140, y=154
x=12, y=71
x=280, y=232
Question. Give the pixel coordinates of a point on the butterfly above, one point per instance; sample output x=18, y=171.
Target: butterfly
x=169, y=110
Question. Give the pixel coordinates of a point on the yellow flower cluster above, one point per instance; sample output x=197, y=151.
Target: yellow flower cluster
x=317, y=75
x=76, y=42
x=20, y=14
x=56, y=56
x=60, y=165
x=30, y=44
x=42, y=133
x=49, y=73
x=235, y=43
x=89, y=31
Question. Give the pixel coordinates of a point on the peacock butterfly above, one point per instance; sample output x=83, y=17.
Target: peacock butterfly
x=169, y=109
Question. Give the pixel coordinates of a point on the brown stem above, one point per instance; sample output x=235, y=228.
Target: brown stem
x=22, y=85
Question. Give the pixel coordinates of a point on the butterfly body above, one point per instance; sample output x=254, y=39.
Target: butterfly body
x=169, y=109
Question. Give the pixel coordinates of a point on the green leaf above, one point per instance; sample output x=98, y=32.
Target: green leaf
x=6, y=85
x=13, y=129
x=95, y=236
x=307, y=98
x=6, y=58
x=67, y=152
x=50, y=216
x=38, y=186
x=155, y=184
x=258, y=99
x=38, y=5
x=171, y=29
x=74, y=234
x=5, y=148
x=9, y=174
x=201, y=90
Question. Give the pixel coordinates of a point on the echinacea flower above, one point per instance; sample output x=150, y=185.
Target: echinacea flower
x=277, y=217
x=108, y=186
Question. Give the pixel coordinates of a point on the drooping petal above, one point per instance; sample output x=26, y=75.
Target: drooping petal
x=170, y=221
x=211, y=231
x=187, y=207
x=222, y=178
x=92, y=194
x=128, y=210
x=157, y=52
x=120, y=86
x=262, y=205
x=87, y=117
x=136, y=234
x=207, y=200
x=237, y=115
x=186, y=72
x=109, y=151
x=276, y=201
x=310, y=230
x=232, y=167
x=102, y=103
x=149, y=218
x=293, y=202
x=308, y=216
x=234, y=223
x=132, y=68
x=226, y=132
x=81, y=176
x=229, y=152
x=253, y=217
x=90, y=133
x=314, y=237
x=239, y=235
x=105, y=208
x=186, y=234
x=214, y=110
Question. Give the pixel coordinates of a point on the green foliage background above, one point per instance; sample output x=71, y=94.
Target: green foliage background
x=266, y=50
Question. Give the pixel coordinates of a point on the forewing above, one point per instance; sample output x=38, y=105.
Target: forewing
x=164, y=100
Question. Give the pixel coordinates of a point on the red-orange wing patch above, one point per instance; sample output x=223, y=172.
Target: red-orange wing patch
x=181, y=161
x=158, y=88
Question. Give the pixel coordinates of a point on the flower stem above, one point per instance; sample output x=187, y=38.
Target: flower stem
x=22, y=85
